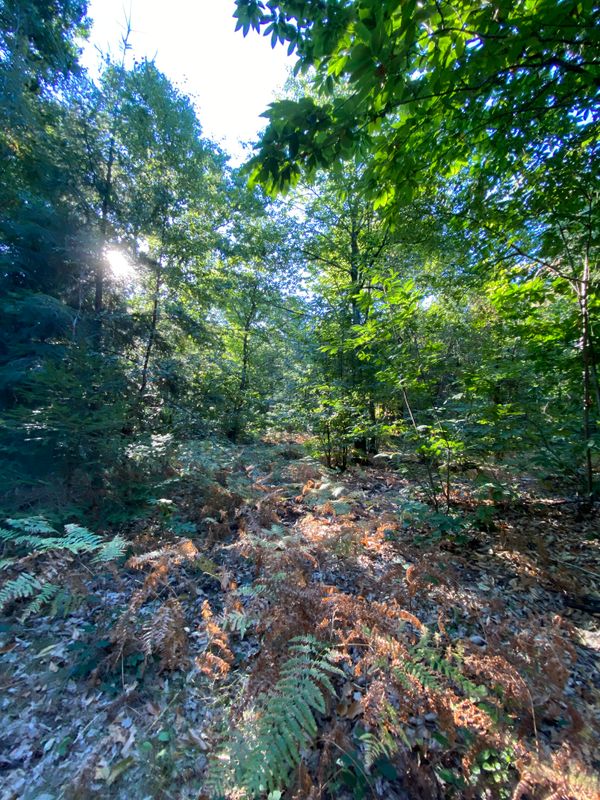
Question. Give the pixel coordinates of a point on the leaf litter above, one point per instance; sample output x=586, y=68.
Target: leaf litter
x=91, y=706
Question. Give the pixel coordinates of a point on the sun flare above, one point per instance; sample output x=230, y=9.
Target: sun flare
x=119, y=264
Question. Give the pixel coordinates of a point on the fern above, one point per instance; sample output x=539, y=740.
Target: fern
x=81, y=540
x=422, y=674
x=64, y=603
x=164, y=635
x=46, y=594
x=34, y=536
x=252, y=591
x=76, y=539
x=378, y=746
x=185, y=550
x=112, y=550
x=264, y=752
x=31, y=525
x=238, y=622
x=19, y=588
x=426, y=653
x=444, y=667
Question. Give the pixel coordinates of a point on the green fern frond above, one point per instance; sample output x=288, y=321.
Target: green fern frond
x=238, y=622
x=251, y=591
x=445, y=668
x=217, y=777
x=264, y=752
x=28, y=533
x=7, y=535
x=75, y=542
x=377, y=746
x=45, y=595
x=64, y=603
x=34, y=542
x=76, y=539
x=25, y=585
x=31, y=525
x=383, y=743
x=81, y=540
x=112, y=550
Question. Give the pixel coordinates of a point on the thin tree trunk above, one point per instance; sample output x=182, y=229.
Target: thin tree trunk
x=432, y=485
x=354, y=270
x=354, y=284
x=594, y=369
x=152, y=334
x=99, y=276
x=106, y=198
x=587, y=377
x=243, y=385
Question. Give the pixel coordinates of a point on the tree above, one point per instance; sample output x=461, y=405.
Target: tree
x=428, y=85
x=39, y=46
x=254, y=294
x=122, y=163
x=490, y=108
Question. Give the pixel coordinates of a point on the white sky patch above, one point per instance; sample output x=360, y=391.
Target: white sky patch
x=231, y=79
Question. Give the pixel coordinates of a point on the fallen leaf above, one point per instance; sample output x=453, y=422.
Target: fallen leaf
x=119, y=768
x=129, y=743
x=197, y=739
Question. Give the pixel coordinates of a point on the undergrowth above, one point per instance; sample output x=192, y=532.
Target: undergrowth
x=346, y=660
x=438, y=715
x=36, y=557
x=267, y=746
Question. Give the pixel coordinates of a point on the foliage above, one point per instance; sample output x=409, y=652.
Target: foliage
x=29, y=544
x=467, y=118
x=267, y=748
x=431, y=76
x=420, y=312
x=96, y=359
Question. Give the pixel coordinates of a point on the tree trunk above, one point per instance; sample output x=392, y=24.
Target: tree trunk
x=99, y=276
x=243, y=385
x=152, y=334
x=583, y=297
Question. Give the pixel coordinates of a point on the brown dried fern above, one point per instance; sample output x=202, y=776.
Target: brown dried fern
x=164, y=635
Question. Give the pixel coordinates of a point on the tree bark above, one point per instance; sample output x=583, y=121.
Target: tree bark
x=107, y=191
x=583, y=297
x=243, y=385
x=152, y=334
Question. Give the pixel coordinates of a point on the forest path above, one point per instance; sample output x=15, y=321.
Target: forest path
x=253, y=546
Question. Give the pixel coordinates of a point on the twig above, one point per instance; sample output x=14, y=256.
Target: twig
x=164, y=711
x=577, y=567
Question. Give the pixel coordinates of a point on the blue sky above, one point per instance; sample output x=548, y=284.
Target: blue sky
x=230, y=79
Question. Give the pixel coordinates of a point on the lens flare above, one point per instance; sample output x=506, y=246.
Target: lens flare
x=119, y=264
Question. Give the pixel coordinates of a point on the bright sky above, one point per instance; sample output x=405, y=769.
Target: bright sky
x=230, y=79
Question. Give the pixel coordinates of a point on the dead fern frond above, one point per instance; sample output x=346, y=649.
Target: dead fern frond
x=217, y=659
x=164, y=635
x=560, y=776
x=174, y=554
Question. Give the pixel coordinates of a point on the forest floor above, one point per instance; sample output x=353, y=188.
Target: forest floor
x=130, y=694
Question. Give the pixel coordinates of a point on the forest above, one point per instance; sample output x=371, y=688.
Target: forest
x=299, y=459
